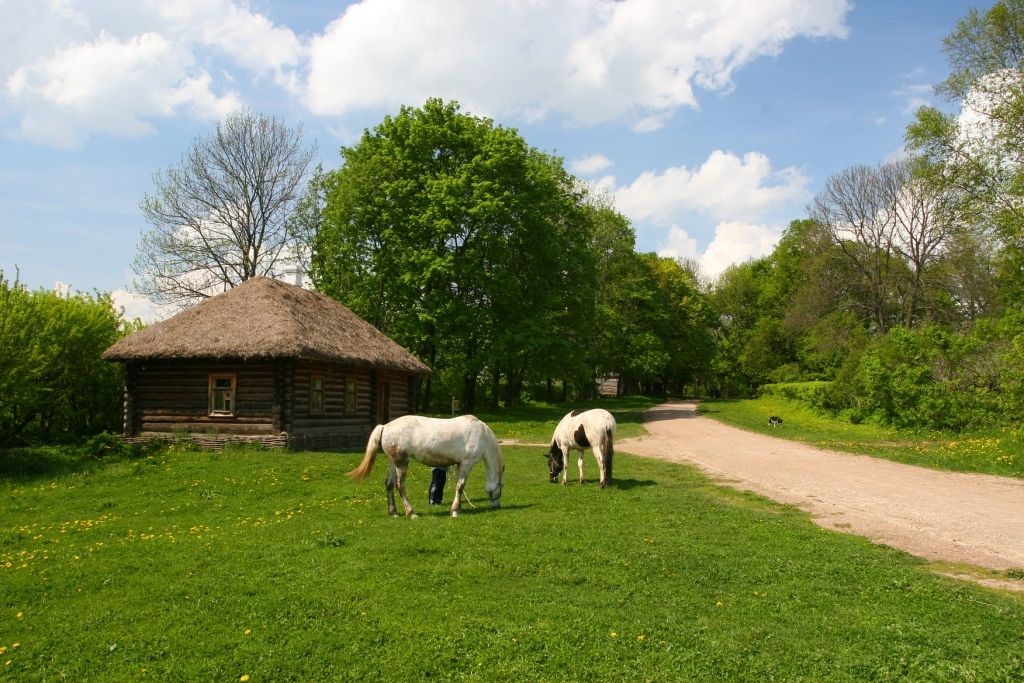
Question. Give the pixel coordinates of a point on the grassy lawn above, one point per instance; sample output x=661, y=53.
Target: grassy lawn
x=990, y=452
x=187, y=566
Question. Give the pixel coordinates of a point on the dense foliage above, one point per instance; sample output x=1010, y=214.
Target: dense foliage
x=495, y=266
x=904, y=287
x=54, y=387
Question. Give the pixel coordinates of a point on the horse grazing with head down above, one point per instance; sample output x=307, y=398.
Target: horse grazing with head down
x=594, y=429
x=461, y=441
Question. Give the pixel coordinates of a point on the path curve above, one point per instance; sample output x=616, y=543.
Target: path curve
x=974, y=519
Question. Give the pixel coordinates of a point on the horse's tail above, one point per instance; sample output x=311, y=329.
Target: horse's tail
x=372, y=448
x=609, y=448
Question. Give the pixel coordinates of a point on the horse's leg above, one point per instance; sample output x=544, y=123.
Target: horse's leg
x=389, y=486
x=457, y=503
x=459, y=486
x=599, y=456
x=403, y=470
x=579, y=463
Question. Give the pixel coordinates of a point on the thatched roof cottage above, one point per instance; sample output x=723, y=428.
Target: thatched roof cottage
x=269, y=362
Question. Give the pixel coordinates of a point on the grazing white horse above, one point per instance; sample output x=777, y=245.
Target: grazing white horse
x=594, y=429
x=434, y=442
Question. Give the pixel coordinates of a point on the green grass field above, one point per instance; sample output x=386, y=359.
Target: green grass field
x=268, y=566
x=998, y=451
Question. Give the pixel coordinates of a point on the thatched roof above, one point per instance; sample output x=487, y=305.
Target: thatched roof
x=267, y=318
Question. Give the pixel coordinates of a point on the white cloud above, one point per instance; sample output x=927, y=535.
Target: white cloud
x=914, y=96
x=111, y=86
x=73, y=68
x=138, y=306
x=589, y=165
x=725, y=186
x=679, y=244
x=591, y=60
x=734, y=242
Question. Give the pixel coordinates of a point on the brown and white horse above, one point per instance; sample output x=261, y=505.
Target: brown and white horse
x=594, y=429
x=461, y=441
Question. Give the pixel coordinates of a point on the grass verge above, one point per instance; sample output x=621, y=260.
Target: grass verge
x=998, y=451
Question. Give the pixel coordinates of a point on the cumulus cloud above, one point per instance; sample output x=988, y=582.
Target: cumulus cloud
x=725, y=186
x=70, y=69
x=136, y=306
x=592, y=61
x=589, y=165
x=734, y=242
x=584, y=61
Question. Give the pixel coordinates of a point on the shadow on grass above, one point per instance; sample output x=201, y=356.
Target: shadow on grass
x=669, y=413
x=629, y=484
x=42, y=462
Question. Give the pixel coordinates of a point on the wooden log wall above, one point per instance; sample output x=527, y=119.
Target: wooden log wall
x=172, y=396
x=334, y=415
x=272, y=402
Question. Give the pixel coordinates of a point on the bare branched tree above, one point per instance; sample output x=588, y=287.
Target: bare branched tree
x=219, y=216
x=891, y=230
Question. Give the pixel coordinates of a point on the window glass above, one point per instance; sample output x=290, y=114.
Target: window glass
x=350, y=396
x=222, y=394
x=316, y=395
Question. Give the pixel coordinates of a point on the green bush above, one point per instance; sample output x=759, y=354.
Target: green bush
x=54, y=386
x=931, y=378
x=807, y=392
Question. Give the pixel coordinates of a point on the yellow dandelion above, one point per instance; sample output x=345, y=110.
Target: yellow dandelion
x=719, y=604
x=248, y=631
x=18, y=615
x=613, y=634
x=642, y=637
x=243, y=678
x=15, y=646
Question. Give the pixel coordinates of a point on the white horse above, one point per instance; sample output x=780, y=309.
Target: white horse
x=434, y=442
x=578, y=431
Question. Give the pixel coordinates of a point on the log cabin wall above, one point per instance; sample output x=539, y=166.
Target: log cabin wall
x=273, y=402
x=169, y=397
x=345, y=416
x=399, y=388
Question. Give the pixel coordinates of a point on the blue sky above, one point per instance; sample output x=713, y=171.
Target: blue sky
x=712, y=123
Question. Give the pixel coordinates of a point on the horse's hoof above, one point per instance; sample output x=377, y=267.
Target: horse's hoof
x=455, y=513
x=412, y=516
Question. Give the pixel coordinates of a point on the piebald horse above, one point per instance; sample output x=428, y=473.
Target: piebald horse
x=461, y=441
x=594, y=429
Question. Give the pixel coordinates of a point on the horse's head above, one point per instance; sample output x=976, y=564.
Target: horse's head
x=556, y=463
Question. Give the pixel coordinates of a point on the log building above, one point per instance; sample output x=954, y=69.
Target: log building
x=268, y=362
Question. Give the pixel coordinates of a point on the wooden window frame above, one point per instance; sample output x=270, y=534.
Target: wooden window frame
x=232, y=400
x=351, y=395
x=313, y=408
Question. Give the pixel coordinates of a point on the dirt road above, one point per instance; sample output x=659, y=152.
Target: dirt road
x=963, y=518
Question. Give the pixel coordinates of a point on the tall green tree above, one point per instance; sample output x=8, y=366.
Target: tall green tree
x=465, y=244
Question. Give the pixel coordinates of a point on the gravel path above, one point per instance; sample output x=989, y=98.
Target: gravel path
x=973, y=519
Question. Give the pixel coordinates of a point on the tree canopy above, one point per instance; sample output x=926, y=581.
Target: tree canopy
x=462, y=242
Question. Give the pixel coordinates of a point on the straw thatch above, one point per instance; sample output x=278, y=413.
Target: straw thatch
x=267, y=318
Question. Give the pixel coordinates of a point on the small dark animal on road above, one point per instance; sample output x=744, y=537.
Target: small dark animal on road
x=775, y=421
